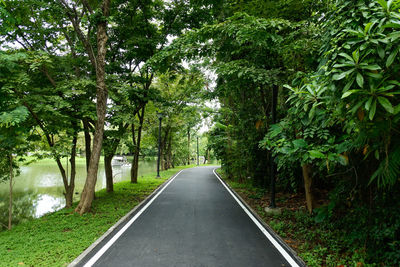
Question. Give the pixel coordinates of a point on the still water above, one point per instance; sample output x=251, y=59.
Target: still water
x=39, y=188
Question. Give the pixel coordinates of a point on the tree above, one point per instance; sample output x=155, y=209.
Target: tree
x=342, y=121
x=12, y=138
x=78, y=15
x=55, y=82
x=181, y=93
x=248, y=53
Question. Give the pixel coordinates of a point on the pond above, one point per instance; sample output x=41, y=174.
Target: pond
x=39, y=188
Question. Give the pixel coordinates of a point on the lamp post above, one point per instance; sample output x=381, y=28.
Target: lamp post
x=197, y=151
x=159, y=116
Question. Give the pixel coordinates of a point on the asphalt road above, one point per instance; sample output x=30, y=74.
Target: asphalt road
x=194, y=221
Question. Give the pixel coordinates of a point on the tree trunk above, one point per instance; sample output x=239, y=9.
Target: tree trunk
x=272, y=163
x=88, y=141
x=135, y=161
x=163, y=148
x=169, y=153
x=101, y=106
x=188, y=144
x=69, y=187
x=162, y=159
x=110, y=149
x=308, y=187
x=63, y=176
x=69, y=190
x=198, y=155
x=135, y=167
x=11, y=191
x=69, y=195
x=109, y=172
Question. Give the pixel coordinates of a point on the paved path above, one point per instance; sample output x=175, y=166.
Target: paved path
x=194, y=221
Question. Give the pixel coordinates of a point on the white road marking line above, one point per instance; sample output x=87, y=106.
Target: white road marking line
x=259, y=225
x=123, y=229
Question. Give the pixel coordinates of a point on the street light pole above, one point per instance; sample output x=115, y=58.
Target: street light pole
x=197, y=151
x=159, y=115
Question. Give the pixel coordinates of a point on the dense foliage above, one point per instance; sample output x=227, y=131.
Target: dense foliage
x=338, y=113
x=79, y=73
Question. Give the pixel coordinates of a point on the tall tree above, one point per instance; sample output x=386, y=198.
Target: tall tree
x=55, y=81
x=96, y=51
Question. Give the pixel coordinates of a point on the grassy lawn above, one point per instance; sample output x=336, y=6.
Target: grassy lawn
x=58, y=238
x=316, y=243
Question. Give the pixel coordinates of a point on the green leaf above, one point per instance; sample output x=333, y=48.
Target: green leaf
x=346, y=94
x=346, y=56
x=382, y=3
x=356, y=55
x=360, y=80
x=312, y=112
x=367, y=27
x=394, y=36
x=386, y=104
x=396, y=109
x=389, y=4
x=338, y=77
x=372, y=110
x=356, y=107
x=316, y=154
x=348, y=85
x=299, y=143
x=394, y=82
x=371, y=67
x=342, y=75
x=377, y=154
x=391, y=25
x=374, y=75
x=386, y=88
x=391, y=57
x=274, y=130
x=344, y=65
x=368, y=103
x=381, y=52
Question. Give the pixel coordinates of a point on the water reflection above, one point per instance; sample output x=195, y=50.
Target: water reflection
x=39, y=188
x=45, y=203
x=23, y=207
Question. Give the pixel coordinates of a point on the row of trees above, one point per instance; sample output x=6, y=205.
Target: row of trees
x=309, y=98
x=81, y=68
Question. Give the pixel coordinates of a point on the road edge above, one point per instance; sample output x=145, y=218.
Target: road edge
x=120, y=222
x=281, y=242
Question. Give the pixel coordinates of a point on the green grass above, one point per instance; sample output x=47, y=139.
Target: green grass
x=58, y=238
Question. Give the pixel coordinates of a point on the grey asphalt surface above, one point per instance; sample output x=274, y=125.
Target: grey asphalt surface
x=193, y=222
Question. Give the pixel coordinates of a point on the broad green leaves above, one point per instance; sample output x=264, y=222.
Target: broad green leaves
x=366, y=66
x=299, y=143
x=391, y=57
x=316, y=154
